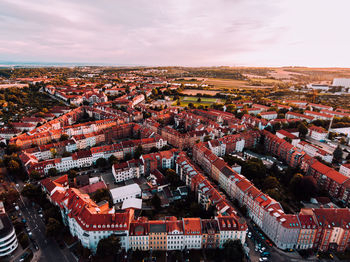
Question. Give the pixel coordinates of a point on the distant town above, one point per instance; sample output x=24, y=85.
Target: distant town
x=174, y=164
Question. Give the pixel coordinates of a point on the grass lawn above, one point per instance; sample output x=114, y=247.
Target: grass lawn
x=205, y=101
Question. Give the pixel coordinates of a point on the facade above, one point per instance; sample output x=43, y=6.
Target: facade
x=317, y=133
x=345, y=170
x=127, y=170
x=8, y=238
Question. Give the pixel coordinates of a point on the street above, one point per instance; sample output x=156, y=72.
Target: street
x=49, y=250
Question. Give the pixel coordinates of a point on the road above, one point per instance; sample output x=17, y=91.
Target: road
x=48, y=247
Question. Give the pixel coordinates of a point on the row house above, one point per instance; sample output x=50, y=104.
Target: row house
x=339, y=114
x=127, y=170
x=254, y=121
x=332, y=228
x=327, y=178
x=293, y=115
x=320, y=107
x=159, y=160
x=318, y=116
x=318, y=133
x=270, y=115
x=315, y=151
x=335, y=183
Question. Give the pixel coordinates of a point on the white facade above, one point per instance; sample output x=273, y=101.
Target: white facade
x=345, y=170
x=193, y=241
x=319, y=136
x=8, y=243
x=175, y=240
x=90, y=239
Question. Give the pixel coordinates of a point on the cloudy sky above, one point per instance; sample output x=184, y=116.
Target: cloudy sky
x=177, y=32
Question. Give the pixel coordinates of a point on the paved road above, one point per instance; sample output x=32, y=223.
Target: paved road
x=48, y=247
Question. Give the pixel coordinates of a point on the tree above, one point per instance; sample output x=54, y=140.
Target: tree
x=64, y=137
x=199, y=100
x=154, y=149
x=295, y=182
x=53, y=152
x=101, y=195
x=23, y=240
x=302, y=129
x=66, y=154
x=13, y=166
x=138, y=151
x=172, y=178
x=31, y=191
x=191, y=105
x=35, y=175
x=108, y=247
x=270, y=182
x=307, y=188
x=112, y=160
x=254, y=168
x=101, y=162
x=233, y=250
x=288, y=139
x=156, y=202
x=72, y=173
x=338, y=154
x=53, y=227
x=206, y=138
x=52, y=172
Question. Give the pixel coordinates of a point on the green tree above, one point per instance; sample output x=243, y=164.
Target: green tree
x=138, y=151
x=35, y=175
x=101, y=162
x=156, y=202
x=53, y=227
x=270, y=182
x=112, y=160
x=64, y=137
x=302, y=129
x=307, y=188
x=101, y=195
x=52, y=172
x=13, y=166
x=23, y=240
x=108, y=247
x=233, y=250
x=31, y=191
x=338, y=155
x=154, y=149
x=72, y=174
x=172, y=178
x=295, y=182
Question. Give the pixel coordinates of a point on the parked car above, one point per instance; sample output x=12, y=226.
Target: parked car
x=24, y=256
x=35, y=245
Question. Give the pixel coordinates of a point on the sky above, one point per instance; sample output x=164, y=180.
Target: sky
x=177, y=32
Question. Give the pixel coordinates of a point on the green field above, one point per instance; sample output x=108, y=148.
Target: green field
x=205, y=101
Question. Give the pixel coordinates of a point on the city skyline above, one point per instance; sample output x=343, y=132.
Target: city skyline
x=186, y=33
